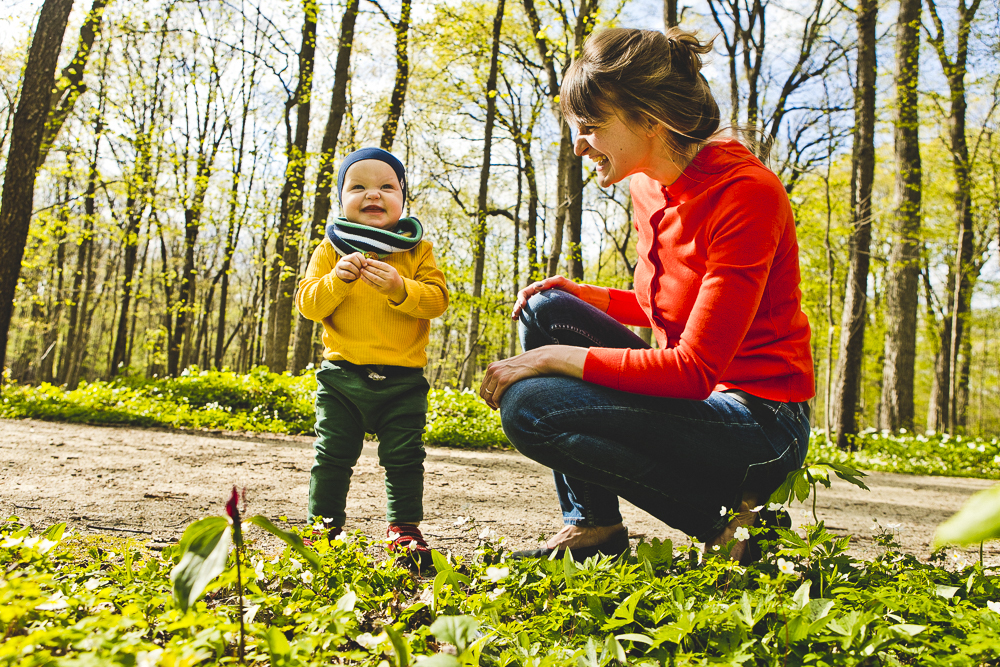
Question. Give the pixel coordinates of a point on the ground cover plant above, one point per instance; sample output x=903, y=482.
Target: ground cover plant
x=65, y=600
x=266, y=402
x=259, y=401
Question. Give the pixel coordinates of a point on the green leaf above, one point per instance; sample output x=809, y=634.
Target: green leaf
x=977, y=521
x=291, y=539
x=656, y=553
x=800, y=485
x=457, y=630
x=441, y=563
x=946, y=592
x=277, y=644
x=612, y=649
x=399, y=645
x=801, y=596
x=632, y=637
x=849, y=474
x=908, y=629
x=439, y=660
x=204, y=549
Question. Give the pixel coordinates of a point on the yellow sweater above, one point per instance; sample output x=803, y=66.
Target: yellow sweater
x=362, y=326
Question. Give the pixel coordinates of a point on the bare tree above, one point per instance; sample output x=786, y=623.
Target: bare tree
x=896, y=405
x=962, y=273
x=304, y=329
x=70, y=85
x=28, y=129
x=284, y=268
x=844, y=400
x=402, y=30
x=479, y=232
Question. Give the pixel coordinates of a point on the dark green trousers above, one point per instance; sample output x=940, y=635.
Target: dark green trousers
x=350, y=403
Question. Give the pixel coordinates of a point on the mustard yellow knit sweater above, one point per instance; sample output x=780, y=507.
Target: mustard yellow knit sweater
x=364, y=327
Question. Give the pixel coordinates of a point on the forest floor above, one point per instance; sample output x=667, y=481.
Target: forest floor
x=150, y=484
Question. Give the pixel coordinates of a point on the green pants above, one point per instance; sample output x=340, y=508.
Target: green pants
x=350, y=403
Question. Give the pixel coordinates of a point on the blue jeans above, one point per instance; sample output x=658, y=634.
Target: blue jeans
x=680, y=460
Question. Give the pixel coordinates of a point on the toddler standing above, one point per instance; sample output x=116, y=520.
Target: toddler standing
x=374, y=286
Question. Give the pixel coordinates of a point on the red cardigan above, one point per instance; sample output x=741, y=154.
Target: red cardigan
x=718, y=279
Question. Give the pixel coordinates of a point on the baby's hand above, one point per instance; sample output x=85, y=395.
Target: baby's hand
x=349, y=267
x=384, y=278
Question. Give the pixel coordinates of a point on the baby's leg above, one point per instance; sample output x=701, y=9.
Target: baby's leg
x=340, y=435
x=401, y=448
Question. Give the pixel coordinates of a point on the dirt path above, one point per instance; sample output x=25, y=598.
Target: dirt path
x=97, y=478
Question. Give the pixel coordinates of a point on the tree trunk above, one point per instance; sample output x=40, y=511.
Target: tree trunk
x=70, y=85
x=964, y=272
x=402, y=30
x=26, y=139
x=305, y=330
x=896, y=409
x=286, y=273
x=669, y=13
x=853, y=317
x=479, y=237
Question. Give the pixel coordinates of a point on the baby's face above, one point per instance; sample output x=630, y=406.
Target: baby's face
x=372, y=195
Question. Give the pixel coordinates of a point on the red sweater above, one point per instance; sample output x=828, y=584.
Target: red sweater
x=718, y=279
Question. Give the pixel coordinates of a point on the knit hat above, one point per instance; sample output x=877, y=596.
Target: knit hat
x=371, y=153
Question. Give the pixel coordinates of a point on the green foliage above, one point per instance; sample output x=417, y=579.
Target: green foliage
x=903, y=452
x=808, y=603
x=461, y=419
x=259, y=401
x=977, y=521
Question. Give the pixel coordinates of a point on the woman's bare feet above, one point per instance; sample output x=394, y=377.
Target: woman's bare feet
x=746, y=518
x=574, y=537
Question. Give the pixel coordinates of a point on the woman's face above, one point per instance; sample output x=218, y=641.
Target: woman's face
x=619, y=149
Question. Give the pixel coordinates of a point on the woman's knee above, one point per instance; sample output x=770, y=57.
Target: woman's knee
x=519, y=414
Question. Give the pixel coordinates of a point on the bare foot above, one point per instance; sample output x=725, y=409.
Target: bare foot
x=582, y=536
x=746, y=518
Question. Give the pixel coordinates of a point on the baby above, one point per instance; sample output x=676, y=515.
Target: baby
x=374, y=286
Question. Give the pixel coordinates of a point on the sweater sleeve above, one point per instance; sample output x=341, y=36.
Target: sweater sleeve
x=743, y=237
x=427, y=292
x=320, y=290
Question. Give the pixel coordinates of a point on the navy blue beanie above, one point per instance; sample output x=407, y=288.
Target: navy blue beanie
x=371, y=154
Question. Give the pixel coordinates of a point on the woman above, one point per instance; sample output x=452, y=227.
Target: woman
x=713, y=419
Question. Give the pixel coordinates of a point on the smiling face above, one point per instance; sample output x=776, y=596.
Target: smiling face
x=372, y=195
x=618, y=149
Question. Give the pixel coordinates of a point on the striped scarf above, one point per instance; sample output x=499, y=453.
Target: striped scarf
x=374, y=243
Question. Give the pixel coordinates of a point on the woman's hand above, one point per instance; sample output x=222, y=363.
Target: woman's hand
x=566, y=360
x=565, y=284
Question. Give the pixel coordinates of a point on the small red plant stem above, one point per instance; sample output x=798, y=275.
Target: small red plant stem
x=239, y=589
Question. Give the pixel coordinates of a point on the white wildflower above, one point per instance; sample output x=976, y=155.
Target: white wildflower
x=785, y=566
x=148, y=658
x=294, y=564
x=722, y=511
x=11, y=542
x=993, y=606
x=306, y=577
x=258, y=568
x=757, y=509
x=742, y=534
x=496, y=574
x=461, y=521
x=497, y=592
x=55, y=603
x=369, y=641
x=775, y=507
x=487, y=534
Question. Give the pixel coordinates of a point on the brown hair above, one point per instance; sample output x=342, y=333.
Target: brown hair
x=648, y=75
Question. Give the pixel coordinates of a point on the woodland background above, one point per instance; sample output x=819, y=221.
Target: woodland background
x=161, y=201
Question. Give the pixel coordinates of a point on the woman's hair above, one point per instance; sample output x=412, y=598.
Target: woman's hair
x=647, y=76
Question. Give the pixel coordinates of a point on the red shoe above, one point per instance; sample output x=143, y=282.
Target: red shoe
x=409, y=543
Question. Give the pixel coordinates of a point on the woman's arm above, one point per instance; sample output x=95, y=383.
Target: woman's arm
x=565, y=360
